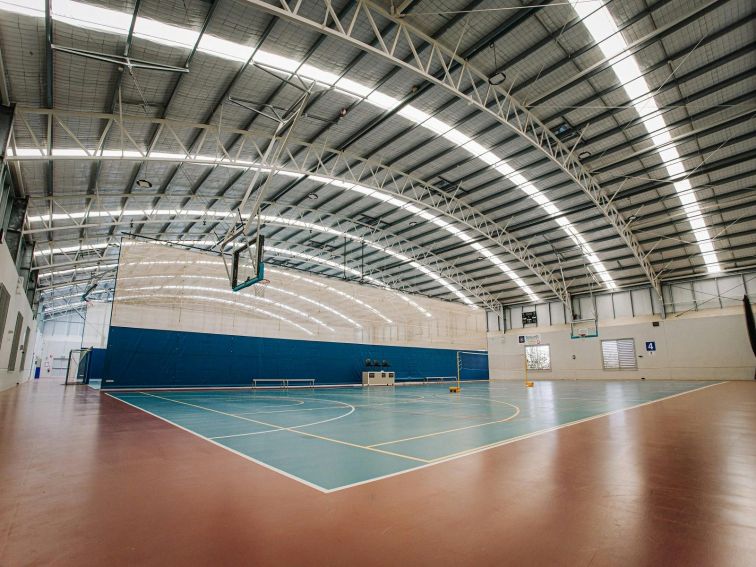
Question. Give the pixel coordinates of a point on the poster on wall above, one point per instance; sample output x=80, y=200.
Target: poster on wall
x=529, y=339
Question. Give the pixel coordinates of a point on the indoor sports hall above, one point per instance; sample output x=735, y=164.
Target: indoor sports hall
x=303, y=283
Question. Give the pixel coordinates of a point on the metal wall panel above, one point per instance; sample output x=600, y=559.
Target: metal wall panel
x=622, y=305
x=604, y=307
x=515, y=318
x=556, y=311
x=642, y=304
x=731, y=290
x=542, y=311
x=682, y=297
x=706, y=293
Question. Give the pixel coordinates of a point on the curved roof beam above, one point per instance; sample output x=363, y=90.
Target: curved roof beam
x=328, y=166
x=48, y=294
x=418, y=257
x=97, y=247
x=233, y=304
x=445, y=68
x=238, y=300
x=428, y=264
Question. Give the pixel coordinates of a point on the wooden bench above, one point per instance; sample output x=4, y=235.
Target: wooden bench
x=285, y=382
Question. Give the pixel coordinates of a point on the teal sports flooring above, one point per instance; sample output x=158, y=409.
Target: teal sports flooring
x=333, y=438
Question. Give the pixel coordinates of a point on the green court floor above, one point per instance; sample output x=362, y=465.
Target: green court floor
x=333, y=438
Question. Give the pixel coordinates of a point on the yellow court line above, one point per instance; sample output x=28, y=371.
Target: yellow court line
x=538, y=432
x=294, y=430
x=514, y=415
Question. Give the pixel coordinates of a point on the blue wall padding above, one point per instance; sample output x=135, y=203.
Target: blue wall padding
x=96, y=367
x=140, y=358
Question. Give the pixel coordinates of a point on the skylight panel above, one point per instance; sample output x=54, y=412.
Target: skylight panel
x=382, y=100
x=276, y=61
x=90, y=16
x=159, y=32
x=353, y=87
x=224, y=49
x=319, y=75
x=111, y=21
x=599, y=22
x=33, y=8
x=413, y=114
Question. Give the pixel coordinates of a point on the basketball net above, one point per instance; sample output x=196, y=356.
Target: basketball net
x=260, y=287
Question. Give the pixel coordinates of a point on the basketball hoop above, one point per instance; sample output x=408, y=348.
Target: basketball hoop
x=584, y=328
x=260, y=287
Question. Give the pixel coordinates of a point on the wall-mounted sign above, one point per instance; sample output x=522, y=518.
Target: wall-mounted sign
x=529, y=339
x=651, y=346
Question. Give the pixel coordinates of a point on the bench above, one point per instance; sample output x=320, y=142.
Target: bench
x=426, y=379
x=285, y=382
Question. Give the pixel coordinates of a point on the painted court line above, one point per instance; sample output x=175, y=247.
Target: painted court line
x=462, y=454
x=234, y=451
x=295, y=428
x=286, y=410
x=514, y=415
x=426, y=463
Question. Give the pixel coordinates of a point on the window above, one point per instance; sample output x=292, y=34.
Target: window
x=619, y=354
x=538, y=357
x=16, y=339
x=4, y=304
x=26, y=347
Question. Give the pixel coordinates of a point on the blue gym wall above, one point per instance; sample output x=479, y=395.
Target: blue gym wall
x=141, y=358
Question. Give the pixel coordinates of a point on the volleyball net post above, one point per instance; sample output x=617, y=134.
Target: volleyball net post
x=528, y=340
x=471, y=365
x=456, y=389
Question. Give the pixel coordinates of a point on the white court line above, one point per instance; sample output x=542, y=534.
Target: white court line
x=251, y=389
x=285, y=411
x=273, y=425
x=296, y=430
x=234, y=451
x=278, y=428
x=266, y=407
x=462, y=454
x=514, y=415
x=440, y=460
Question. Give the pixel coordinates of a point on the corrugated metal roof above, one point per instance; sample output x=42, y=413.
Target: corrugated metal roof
x=700, y=72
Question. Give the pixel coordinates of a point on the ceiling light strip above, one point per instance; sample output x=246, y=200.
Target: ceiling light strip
x=603, y=29
x=111, y=21
x=116, y=213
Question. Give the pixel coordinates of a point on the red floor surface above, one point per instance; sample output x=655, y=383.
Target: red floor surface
x=87, y=480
